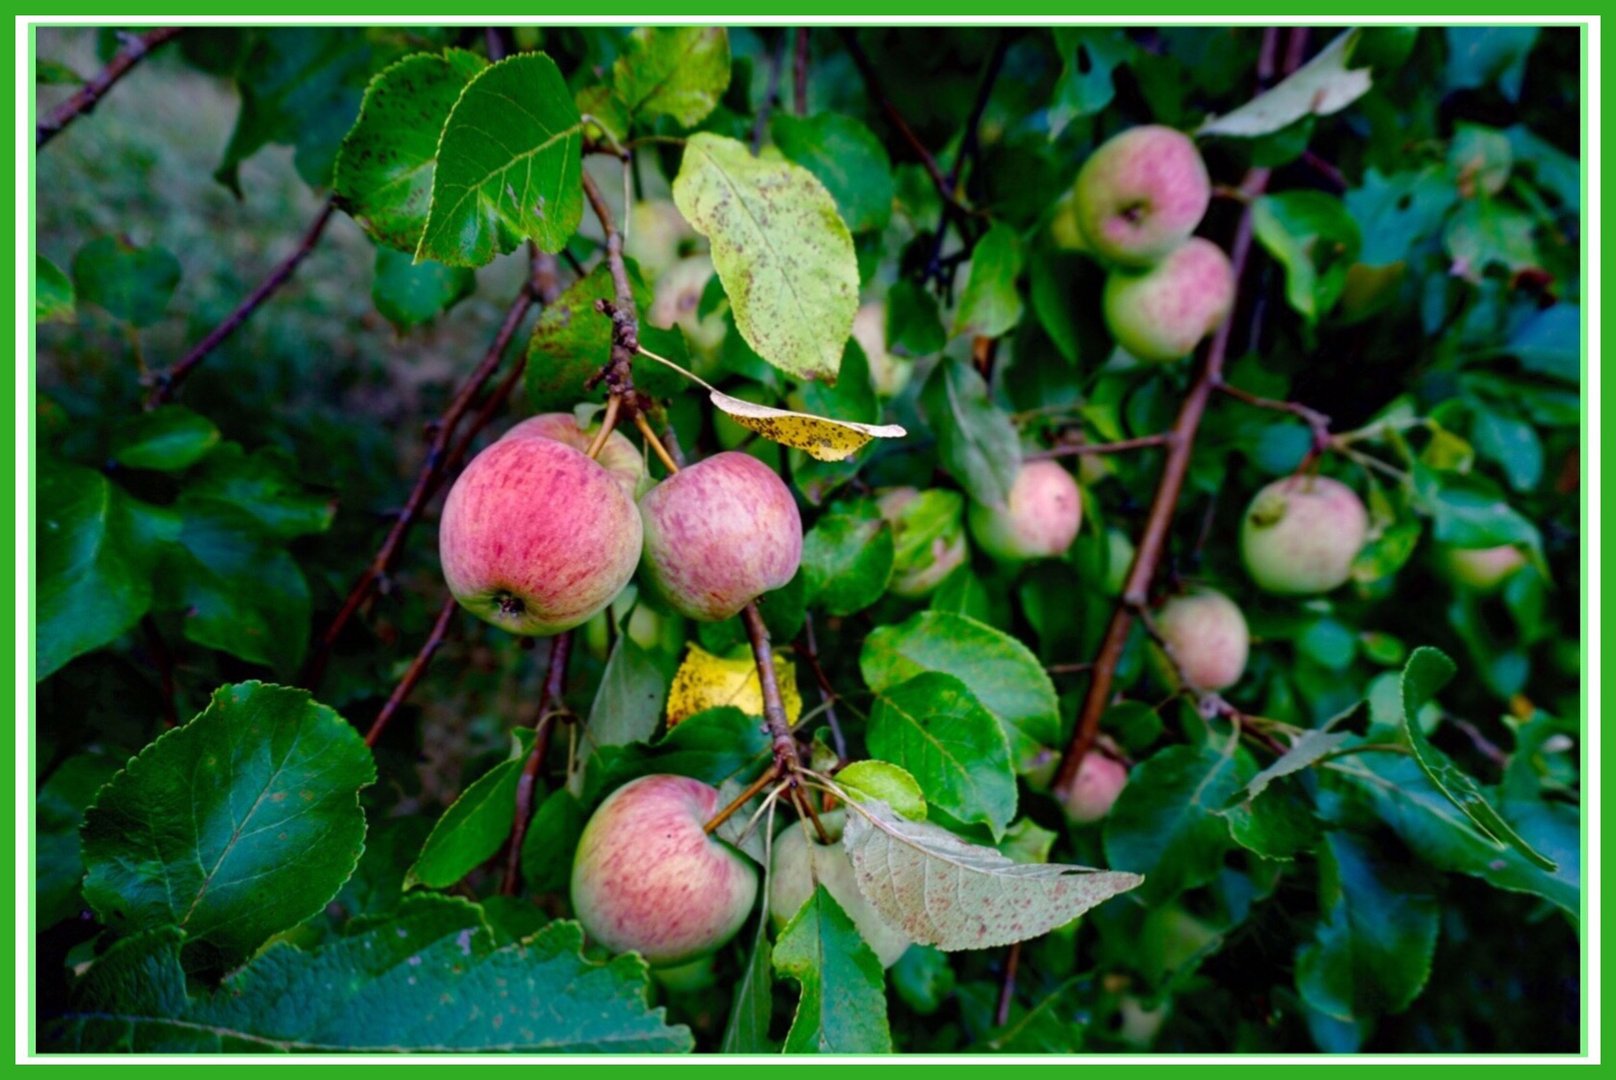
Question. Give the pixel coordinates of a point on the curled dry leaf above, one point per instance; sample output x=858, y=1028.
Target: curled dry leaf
x=705, y=681
x=817, y=436
x=1324, y=85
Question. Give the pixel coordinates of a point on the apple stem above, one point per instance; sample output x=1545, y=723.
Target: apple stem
x=607, y=423
x=655, y=443
x=770, y=774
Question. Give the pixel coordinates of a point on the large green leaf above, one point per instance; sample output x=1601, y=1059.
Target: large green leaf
x=1315, y=239
x=572, y=341
x=677, y=71
x=265, y=486
x=747, y=1029
x=167, y=439
x=509, y=166
x=991, y=304
x=472, y=829
x=843, y=1008
x=383, y=174
x=430, y=978
x=782, y=251
x=710, y=746
x=976, y=441
x=847, y=562
x=932, y=726
x=233, y=827
x=1166, y=825
x=628, y=705
x=409, y=293
x=848, y=159
x=132, y=283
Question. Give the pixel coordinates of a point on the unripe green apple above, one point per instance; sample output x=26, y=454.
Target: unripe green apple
x=1300, y=535
x=801, y=862
x=1040, y=519
x=1162, y=313
x=619, y=456
x=928, y=537
x=719, y=534
x=647, y=879
x=678, y=298
x=1100, y=779
x=888, y=374
x=1141, y=194
x=1482, y=569
x=657, y=232
x=1208, y=638
x=536, y=537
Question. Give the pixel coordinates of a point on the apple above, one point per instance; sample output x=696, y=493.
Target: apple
x=889, y=374
x=656, y=234
x=1482, y=569
x=1141, y=194
x=677, y=299
x=1208, y=638
x=800, y=862
x=1300, y=535
x=1040, y=519
x=719, y=534
x=618, y=456
x=1099, y=780
x=536, y=537
x=928, y=535
x=646, y=879
x=1163, y=312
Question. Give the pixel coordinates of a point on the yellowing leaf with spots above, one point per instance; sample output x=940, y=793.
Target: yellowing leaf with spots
x=780, y=247
x=818, y=436
x=705, y=681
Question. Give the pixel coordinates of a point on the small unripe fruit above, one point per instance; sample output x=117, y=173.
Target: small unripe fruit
x=1208, y=638
x=928, y=535
x=1040, y=519
x=1141, y=194
x=801, y=862
x=1100, y=779
x=1482, y=569
x=1162, y=313
x=619, y=456
x=536, y=538
x=1300, y=535
x=719, y=534
x=888, y=374
x=646, y=879
x=678, y=299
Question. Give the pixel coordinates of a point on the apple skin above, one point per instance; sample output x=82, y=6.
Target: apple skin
x=1141, y=194
x=619, y=456
x=1482, y=569
x=646, y=879
x=1040, y=520
x=800, y=862
x=536, y=538
x=1300, y=535
x=1208, y=637
x=918, y=578
x=888, y=374
x=719, y=534
x=1162, y=313
x=1100, y=779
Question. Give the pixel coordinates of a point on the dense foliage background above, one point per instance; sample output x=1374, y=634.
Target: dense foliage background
x=1415, y=276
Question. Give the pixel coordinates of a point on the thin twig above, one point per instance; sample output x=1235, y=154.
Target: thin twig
x=544, y=721
x=827, y=694
x=136, y=47
x=1143, y=442
x=1315, y=420
x=799, y=72
x=771, y=96
x=165, y=384
x=1007, y=987
x=651, y=440
x=417, y=668
x=872, y=83
x=618, y=371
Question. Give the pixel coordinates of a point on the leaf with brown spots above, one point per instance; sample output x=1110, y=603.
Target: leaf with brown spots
x=817, y=436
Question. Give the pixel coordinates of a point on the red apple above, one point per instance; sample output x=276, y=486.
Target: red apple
x=1100, y=779
x=1141, y=194
x=1208, y=638
x=1300, y=535
x=1162, y=313
x=619, y=456
x=1040, y=519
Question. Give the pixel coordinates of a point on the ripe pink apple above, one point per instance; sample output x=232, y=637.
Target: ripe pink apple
x=535, y=537
x=1482, y=569
x=646, y=879
x=1300, y=535
x=1208, y=638
x=719, y=534
x=1040, y=520
x=1162, y=313
x=801, y=862
x=1141, y=194
x=1100, y=779
x=618, y=456
x=928, y=536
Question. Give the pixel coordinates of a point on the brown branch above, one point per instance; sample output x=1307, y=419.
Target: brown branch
x=84, y=100
x=1007, y=988
x=827, y=694
x=771, y=95
x=618, y=373
x=1152, y=541
x=544, y=722
x=1315, y=420
x=799, y=72
x=774, y=709
x=417, y=668
x=165, y=384
x=872, y=84
x=1143, y=442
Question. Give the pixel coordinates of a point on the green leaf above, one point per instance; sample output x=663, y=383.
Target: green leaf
x=167, y=439
x=1376, y=935
x=429, y=978
x=1395, y=213
x=489, y=194
x=780, y=248
x=747, y=1029
x=1427, y=671
x=58, y=812
x=914, y=325
x=1478, y=55
x=233, y=827
x=53, y=292
x=887, y=782
x=383, y=174
x=471, y=831
x=976, y=441
x=843, y=1008
x=1166, y=825
x=677, y=71
x=1309, y=747
x=999, y=671
x=1324, y=85
x=1276, y=824
x=93, y=574
x=409, y=293
x=1510, y=443
x=1481, y=158
x=377, y=884
x=572, y=341
x=932, y=726
x=263, y=484
x=1313, y=236
x=552, y=837
x=1471, y=511
x=1089, y=56
x=628, y=705
x=990, y=306
x=1484, y=233
x=847, y=158
x=846, y=562
x=1550, y=343
x=132, y=283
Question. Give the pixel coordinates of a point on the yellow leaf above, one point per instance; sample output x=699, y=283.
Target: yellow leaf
x=705, y=681
x=818, y=436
